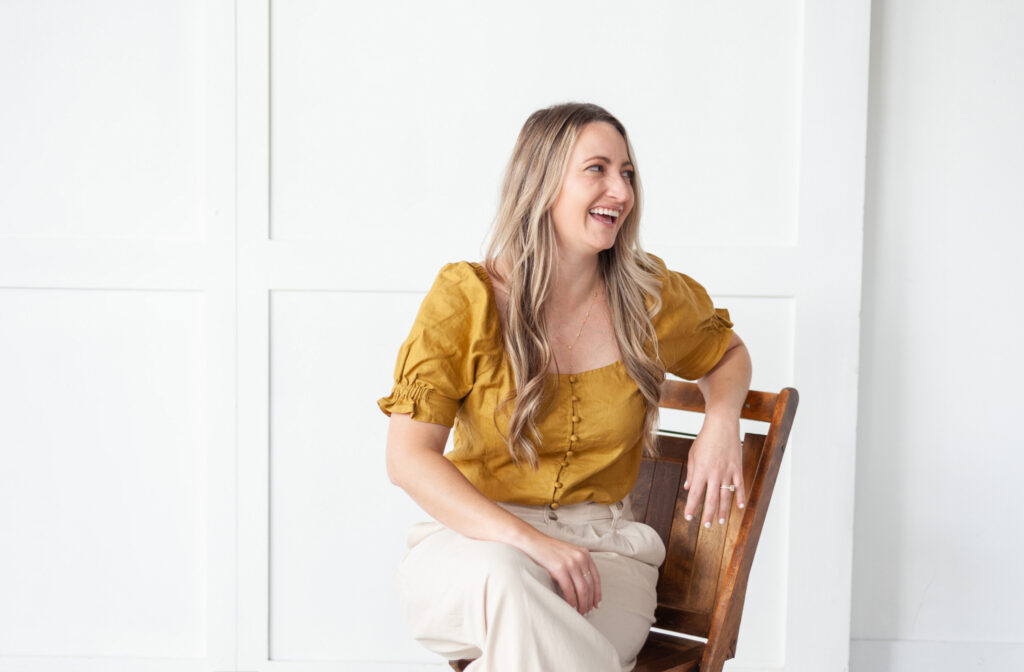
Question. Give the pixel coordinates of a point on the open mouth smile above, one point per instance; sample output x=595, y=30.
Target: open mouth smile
x=606, y=216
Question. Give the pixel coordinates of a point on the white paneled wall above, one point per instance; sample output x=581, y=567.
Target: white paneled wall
x=107, y=494
x=103, y=119
x=117, y=337
x=396, y=118
x=217, y=224
x=337, y=525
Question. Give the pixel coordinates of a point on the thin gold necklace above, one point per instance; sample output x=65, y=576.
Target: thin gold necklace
x=580, y=332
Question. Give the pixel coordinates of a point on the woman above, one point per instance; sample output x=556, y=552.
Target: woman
x=548, y=360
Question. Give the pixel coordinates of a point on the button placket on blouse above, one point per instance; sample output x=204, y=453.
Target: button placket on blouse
x=573, y=442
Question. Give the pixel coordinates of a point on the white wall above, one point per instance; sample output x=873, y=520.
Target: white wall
x=938, y=545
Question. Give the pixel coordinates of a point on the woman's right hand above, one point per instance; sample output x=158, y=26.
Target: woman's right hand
x=571, y=567
x=416, y=463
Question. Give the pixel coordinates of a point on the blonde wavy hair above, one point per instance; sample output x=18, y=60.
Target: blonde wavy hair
x=523, y=243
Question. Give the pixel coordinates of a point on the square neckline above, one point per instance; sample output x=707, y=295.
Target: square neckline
x=492, y=308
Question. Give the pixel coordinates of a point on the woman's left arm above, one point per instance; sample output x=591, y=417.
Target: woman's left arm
x=715, y=458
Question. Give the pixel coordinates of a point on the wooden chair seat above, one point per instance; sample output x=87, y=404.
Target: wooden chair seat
x=703, y=581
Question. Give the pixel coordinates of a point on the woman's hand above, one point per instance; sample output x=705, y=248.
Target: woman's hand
x=571, y=567
x=715, y=457
x=715, y=460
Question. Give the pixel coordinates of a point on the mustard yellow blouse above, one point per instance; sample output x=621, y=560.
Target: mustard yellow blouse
x=452, y=369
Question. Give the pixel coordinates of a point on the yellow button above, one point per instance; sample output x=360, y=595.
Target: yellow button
x=568, y=453
x=575, y=398
x=565, y=463
x=554, y=505
x=558, y=485
x=574, y=438
x=572, y=379
x=575, y=418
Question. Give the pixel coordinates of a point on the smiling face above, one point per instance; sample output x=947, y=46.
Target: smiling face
x=596, y=193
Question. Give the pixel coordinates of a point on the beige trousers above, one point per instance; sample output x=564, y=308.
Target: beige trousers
x=466, y=598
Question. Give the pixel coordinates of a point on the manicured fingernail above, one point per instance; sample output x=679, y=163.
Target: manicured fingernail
x=689, y=517
x=686, y=484
x=740, y=505
x=721, y=521
x=707, y=524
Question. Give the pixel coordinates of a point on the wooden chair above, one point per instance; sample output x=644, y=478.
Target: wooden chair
x=703, y=582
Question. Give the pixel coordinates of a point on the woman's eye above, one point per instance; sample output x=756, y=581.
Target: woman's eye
x=628, y=174
x=596, y=167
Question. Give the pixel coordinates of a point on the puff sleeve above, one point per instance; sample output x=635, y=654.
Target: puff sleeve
x=437, y=363
x=692, y=334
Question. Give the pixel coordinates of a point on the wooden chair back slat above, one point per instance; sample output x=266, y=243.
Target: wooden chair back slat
x=642, y=490
x=660, y=510
x=680, y=544
x=753, y=446
x=707, y=561
x=674, y=448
